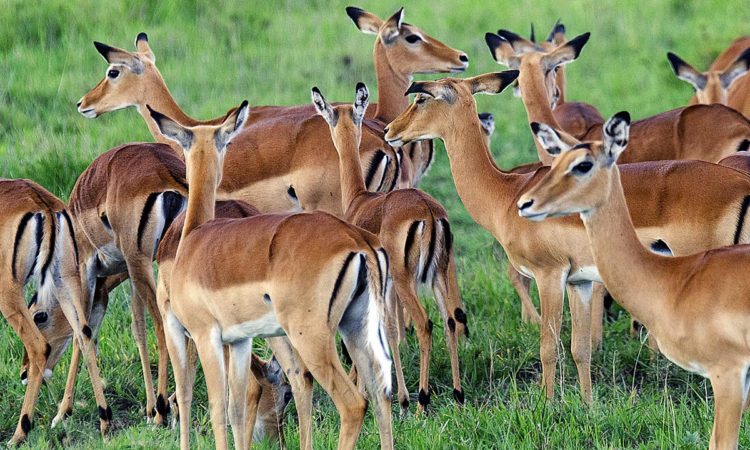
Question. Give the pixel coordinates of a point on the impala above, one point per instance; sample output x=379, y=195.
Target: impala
x=704, y=132
x=695, y=306
x=301, y=275
x=725, y=82
x=556, y=253
x=39, y=244
x=414, y=230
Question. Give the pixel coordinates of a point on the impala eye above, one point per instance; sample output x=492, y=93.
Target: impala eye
x=420, y=100
x=582, y=167
x=113, y=73
x=413, y=39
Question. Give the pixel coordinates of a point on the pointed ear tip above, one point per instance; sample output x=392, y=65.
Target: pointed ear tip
x=623, y=115
x=244, y=104
x=141, y=37
x=315, y=90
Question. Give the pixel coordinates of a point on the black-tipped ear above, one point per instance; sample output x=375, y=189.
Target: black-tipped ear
x=322, y=107
x=418, y=88
x=231, y=126
x=509, y=36
x=676, y=62
x=739, y=67
x=577, y=43
x=103, y=49
x=392, y=28
x=615, y=135
x=486, y=116
x=141, y=37
x=171, y=129
x=366, y=22
x=622, y=115
x=558, y=28
x=493, y=42
x=549, y=138
x=361, y=100
x=491, y=83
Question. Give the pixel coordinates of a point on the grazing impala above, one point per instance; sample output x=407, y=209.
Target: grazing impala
x=695, y=306
x=555, y=253
x=725, y=82
x=414, y=230
x=704, y=132
x=39, y=244
x=301, y=275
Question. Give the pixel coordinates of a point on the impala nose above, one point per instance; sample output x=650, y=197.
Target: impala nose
x=526, y=205
x=78, y=104
x=385, y=130
x=464, y=58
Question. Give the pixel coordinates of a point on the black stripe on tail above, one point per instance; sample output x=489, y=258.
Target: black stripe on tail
x=72, y=233
x=447, y=243
x=144, y=216
x=379, y=155
x=52, y=244
x=741, y=220
x=397, y=175
x=410, y=241
x=430, y=253
x=339, y=279
x=19, y=235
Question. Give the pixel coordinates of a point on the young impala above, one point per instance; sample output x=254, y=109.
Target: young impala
x=38, y=243
x=725, y=82
x=695, y=306
x=301, y=275
x=414, y=230
x=556, y=253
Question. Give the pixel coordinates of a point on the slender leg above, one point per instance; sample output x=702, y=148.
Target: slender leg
x=176, y=345
x=579, y=298
x=449, y=301
x=13, y=308
x=729, y=391
x=597, y=316
x=238, y=374
x=522, y=286
x=302, y=386
x=392, y=324
x=211, y=353
x=551, y=298
x=254, y=392
x=406, y=290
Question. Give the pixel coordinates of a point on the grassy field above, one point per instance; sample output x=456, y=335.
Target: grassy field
x=214, y=54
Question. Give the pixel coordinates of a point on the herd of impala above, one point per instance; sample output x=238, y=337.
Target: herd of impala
x=298, y=223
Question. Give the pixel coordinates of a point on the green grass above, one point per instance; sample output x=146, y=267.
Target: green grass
x=214, y=55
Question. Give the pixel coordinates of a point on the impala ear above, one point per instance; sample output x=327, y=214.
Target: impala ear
x=273, y=371
x=141, y=43
x=491, y=83
x=171, y=129
x=686, y=72
x=392, y=27
x=551, y=140
x=616, y=132
x=114, y=55
x=323, y=108
x=738, y=68
x=519, y=44
x=367, y=23
x=488, y=123
x=502, y=51
x=231, y=126
x=557, y=35
x=565, y=53
x=361, y=100
x=424, y=87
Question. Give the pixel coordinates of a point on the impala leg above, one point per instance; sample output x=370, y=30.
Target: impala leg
x=392, y=326
x=211, y=353
x=13, y=308
x=254, y=392
x=579, y=298
x=177, y=347
x=406, y=291
x=67, y=290
x=449, y=303
x=522, y=285
x=729, y=389
x=597, y=316
x=323, y=361
x=162, y=408
x=551, y=298
x=301, y=381
x=143, y=293
x=238, y=375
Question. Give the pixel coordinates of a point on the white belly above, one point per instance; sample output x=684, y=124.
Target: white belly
x=262, y=327
x=587, y=273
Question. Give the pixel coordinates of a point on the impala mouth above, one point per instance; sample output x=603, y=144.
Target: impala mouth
x=395, y=142
x=459, y=68
x=533, y=216
x=88, y=113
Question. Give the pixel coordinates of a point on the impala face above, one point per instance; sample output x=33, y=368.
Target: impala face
x=51, y=321
x=712, y=86
x=408, y=48
x=437, y=100
x=125, y=80
x=580, y=177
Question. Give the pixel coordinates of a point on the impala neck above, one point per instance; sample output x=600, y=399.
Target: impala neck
x=350, y=170
x=391, y=86
x=633, y=275
x=536, y=102
x=202, y=184
x=477, y=178
x=160, y=99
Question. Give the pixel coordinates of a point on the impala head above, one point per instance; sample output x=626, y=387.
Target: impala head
x=408, y=49
x=712, y=86
x=276, y=394
x=580, y=178
x=204, y=145
x=344, y=120
x=49, y=318
x=439, y=103
x=126, y=81
x=535, y=60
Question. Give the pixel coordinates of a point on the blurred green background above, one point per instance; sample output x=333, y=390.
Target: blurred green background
x=215, y=53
